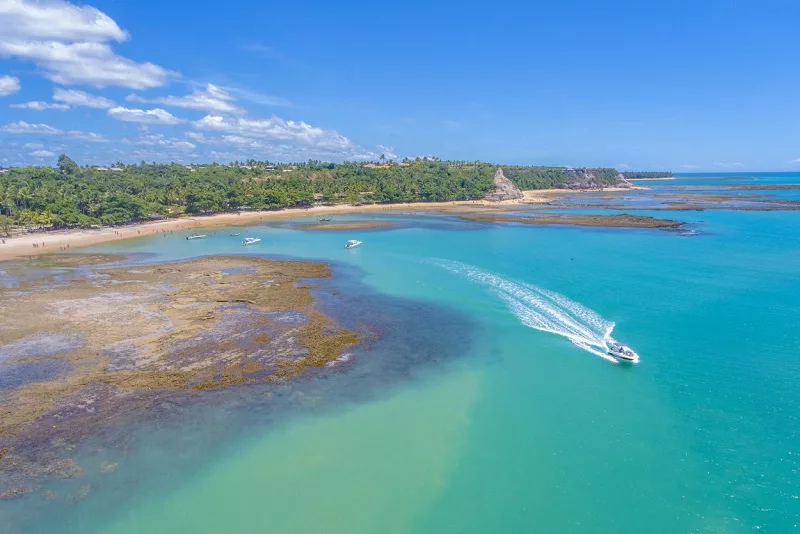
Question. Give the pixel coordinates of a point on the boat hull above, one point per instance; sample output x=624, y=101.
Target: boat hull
x=624, y=358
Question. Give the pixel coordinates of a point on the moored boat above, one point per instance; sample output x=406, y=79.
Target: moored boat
x=195, y=236
x=352, y=243
x=250, y=241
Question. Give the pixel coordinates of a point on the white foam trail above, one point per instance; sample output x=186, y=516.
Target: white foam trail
x=544, y=310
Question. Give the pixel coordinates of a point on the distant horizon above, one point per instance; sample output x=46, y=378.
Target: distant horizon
x=499, y=164
x=109, y=80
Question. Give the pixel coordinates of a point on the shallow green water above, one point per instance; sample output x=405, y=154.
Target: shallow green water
x=525, y=431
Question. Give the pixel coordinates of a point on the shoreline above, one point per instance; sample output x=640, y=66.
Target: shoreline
x=22, y=246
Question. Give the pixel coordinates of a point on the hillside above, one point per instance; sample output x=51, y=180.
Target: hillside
x=81, y=196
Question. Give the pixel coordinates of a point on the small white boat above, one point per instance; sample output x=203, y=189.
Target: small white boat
x=623, y=352
x=237, y=233
x=196, y=236
x=250, y=241
x=353, y=243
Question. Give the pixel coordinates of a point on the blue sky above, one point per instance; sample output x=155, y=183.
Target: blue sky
x=686, y=86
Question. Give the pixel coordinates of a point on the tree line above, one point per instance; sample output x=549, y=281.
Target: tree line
x=642, y=175
x=72, y=195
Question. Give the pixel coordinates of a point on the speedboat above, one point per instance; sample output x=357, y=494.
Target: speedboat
x=325, y=220
x=623, y=352
x=196, y=236
x=250, y=241
x=352, y=244
x=237, y=233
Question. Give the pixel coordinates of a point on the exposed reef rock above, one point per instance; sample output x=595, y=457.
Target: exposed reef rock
x=607, y=221
x=130, y=337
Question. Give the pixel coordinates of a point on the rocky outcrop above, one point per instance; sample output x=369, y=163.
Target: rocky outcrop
x=582, y=179
x=504, y=189
x=586, y=179
x=622, y=181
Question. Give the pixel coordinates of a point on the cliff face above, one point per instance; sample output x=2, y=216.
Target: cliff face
x=504, y=189
x=586, y=179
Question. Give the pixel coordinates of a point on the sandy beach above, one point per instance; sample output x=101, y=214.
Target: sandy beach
x=32, y=244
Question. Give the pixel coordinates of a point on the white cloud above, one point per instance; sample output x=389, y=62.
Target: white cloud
x=33, y=146
x=197, y=136
x=38, y=105
x=387, y=151
x=42, y=154
x=795, y=161
x=212, y=98
x=689, y=167
x=238, y=140
x=87, y=136
x=22, y=127
x=70, y=44
x=8, y=85
x=57, y=20
x=278, y=140
x=258, y=98
x=160, y=140
x=147, y=116
x=276, y=128
x=623, y=166
x=76, y=98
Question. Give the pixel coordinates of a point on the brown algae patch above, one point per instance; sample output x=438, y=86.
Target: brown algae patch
x=354, y=225
x=141, y=333
x=607, y=221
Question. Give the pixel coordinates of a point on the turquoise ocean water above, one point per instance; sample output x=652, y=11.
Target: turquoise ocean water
x=487, y=406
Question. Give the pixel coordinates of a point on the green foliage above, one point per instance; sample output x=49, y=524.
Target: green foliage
x=82, y=196
x=5, y=225
x=646, y=175
x=66, y=165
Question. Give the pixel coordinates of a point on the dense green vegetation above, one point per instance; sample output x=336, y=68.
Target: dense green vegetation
x=637, y=175
x=71, y=195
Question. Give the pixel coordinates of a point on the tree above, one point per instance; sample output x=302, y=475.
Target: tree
x=204, y=201
x=66, y=165
x=74, y=196
x=5, y=225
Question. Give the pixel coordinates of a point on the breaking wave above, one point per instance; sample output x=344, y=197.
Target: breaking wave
x=544, y=310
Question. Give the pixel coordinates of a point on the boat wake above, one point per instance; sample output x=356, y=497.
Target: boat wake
x=544, y=310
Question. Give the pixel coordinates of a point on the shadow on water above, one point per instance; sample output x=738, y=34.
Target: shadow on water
x=145, y=455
